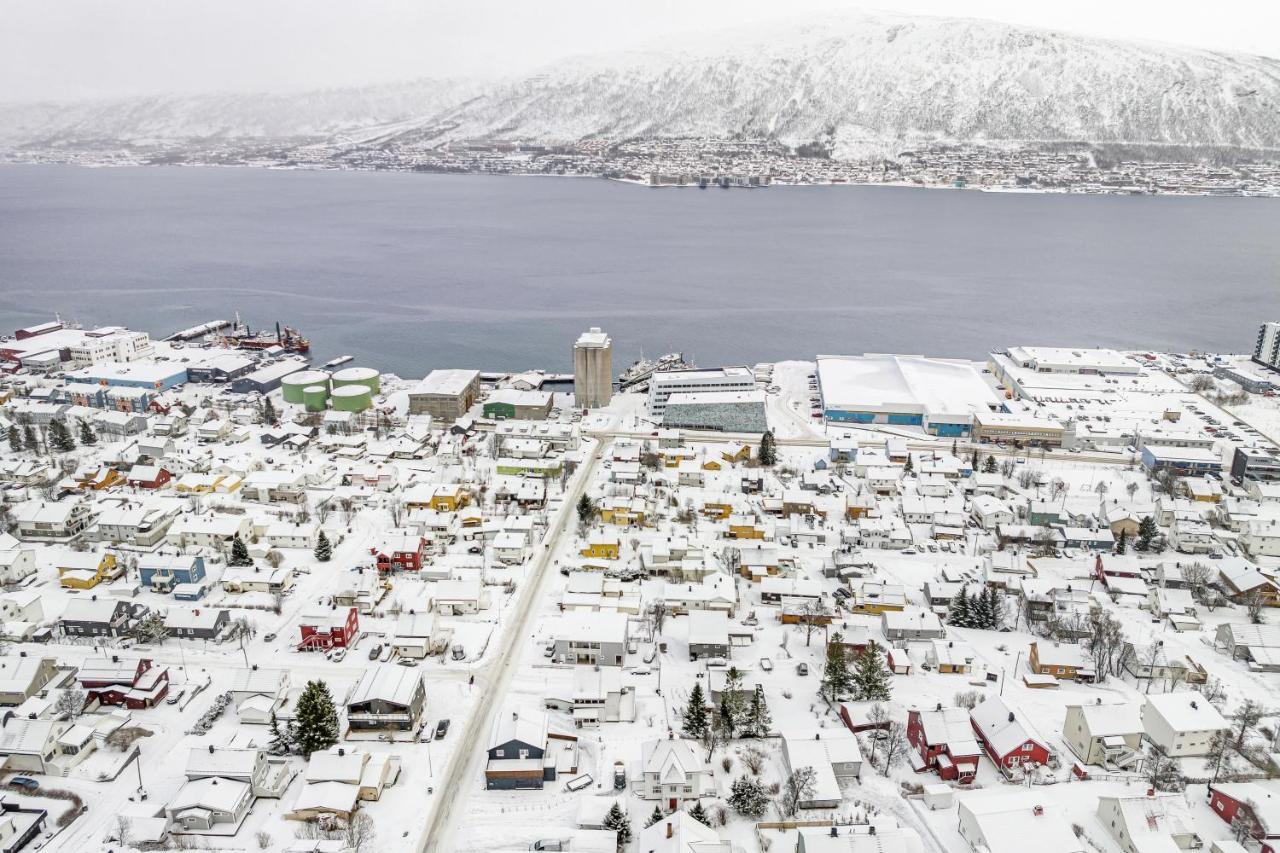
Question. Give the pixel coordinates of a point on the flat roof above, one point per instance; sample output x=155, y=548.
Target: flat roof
x=689, y=398
x=1076, y=357
x=593, y=338
x=138, y=371
x=904, y=383
x=447, y=383
x=674, y=376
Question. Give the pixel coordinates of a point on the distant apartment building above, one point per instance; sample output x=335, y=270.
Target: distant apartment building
x=1267, y=350
x=1251, y=463
x=593, y=369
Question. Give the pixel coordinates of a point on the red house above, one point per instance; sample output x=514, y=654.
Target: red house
x=399, y=554
x=148, y=477
x=328, y=629
x=1007, y=739
x=943, y=742
x=135, y=684
x=1259, y=802
x=854, y=715
x=1124, y=571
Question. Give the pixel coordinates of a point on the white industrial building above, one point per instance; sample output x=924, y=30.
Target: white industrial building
x=704, y=381
x=940, y=395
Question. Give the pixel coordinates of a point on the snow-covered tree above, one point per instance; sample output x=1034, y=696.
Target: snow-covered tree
x=837, y=680
x=616, y=820
x=316, y=719
x=758, y=720
x=695, y=713
x=870, y=678
x=239, y=553
x=324, y=551
x=748, y=797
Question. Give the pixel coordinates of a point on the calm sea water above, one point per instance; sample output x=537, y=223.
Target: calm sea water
x=409, y=272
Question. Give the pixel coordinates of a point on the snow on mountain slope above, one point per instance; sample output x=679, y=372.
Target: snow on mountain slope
x=889, y=77
x=327, y=114
x=849, y=81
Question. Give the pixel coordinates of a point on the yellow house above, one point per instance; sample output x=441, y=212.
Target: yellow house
x=623, y=511
x=198, y=484
x=712, y=464
x=602, y=546
x=99, y=479
x=673, y=457
x=745, y=527
x=441, y=497
x=717, y=509
x=735, y=451
x=85, y=570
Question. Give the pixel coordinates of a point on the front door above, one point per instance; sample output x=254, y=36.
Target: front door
x=672, y=804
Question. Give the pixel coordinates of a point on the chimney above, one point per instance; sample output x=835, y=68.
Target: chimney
x=1011, y=716
x=669, y=831
x=1151, y=792
x=211, y=749
x=341, y=752
x=939, y=707
x=1038, y=811
x=834, y=832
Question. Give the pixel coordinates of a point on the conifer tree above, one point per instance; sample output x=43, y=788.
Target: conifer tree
x=699, y=814
x=758, y=719
x=695, y=713
x=268, y=411
x=748, y=797
x=768, y=449
x=871, y=681
x=324, y=551
x=989, y=467
x=973, y=460
x=279, y=743
x=15, y=438
x=910, y=467
x=1122, y=544
x=616, y=820
x=60, y=439
x=981, y=609
x=960, y=613
x=726, y=719
x=239, y=553
x=656, y=816
x=29, y=440
x=836, y=678
x=1147, y=531
x=316, y=718
x=87, y=436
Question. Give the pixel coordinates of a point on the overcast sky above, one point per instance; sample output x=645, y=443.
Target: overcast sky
x=67, y=49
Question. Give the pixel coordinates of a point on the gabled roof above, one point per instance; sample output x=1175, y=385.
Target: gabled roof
x=1003, y=727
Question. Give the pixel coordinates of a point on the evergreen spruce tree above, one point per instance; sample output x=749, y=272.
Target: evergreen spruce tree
x=910, y=467
x=699, y=814
x=656, y=816
x=60, y=439
x=324, y=551
x=768, y=449
x=1122, y=544
x=695, y=713
x=268, y=411
x=279, y=743
x=586, y=509
x=726, y=719
x=871, y=681
x=981, y=609
x=973, y=460
x=1147, y=531
x=87, y=436
x=239, y=553
x=836, y=678
x=960, y=613
x=616, y=820
x=29, y=440
x=15, y=438
x=759, y=719
x=990, y=467
x=748, y=797
x=317, y=719
x=995, y=610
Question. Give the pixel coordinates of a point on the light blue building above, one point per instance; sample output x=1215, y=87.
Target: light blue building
x=155, y=376
x=162, y=574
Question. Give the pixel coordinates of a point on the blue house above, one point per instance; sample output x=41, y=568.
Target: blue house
x=1182, y=461
x=162, y=574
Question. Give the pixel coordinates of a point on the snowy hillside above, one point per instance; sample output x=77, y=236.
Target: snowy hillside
x=849, y=82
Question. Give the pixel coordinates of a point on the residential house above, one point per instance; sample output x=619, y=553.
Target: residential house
x=524, y=754
x=913, y=623
x=1008, y=737
x=35, y=746
x=1155, y=823
x=672, y=771
x=1182, y=723
x=1256, y=803
x=679, y=833
x=942, y=741
x=1000, y=822
x=198, y=623
x=100, y=617
x=1105, y=735
x=387, y=698
x=134, y=684
x=708, y=634
x=592, y=639
x=321, y=630
x=86, y=569
x=23, y=677
x=1062, y=661
x=161, y=573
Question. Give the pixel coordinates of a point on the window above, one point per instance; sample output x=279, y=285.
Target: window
x=498, y=753
x=1026, y=747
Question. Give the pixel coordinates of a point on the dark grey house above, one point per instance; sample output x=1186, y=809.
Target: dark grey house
x=387, y=698
x=196, y=623
x=524, y=755
x=98, y=616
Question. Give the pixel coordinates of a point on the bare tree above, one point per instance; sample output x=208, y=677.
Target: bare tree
x=753, y=760
x=242, y=630
x=1132, y=489
x=1106, y=643
x=894, y=745
x=797, y=788
x=359, y=831
x=657, y=616
x=70, y=704
x=814, y=613
x=1253, y=604
x=1197, y=577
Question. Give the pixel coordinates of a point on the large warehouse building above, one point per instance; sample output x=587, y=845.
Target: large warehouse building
x=725, y=411
x=937, y=394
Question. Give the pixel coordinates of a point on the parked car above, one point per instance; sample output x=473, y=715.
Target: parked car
x=269, y=636
x=766, y=664
x=375, y=651
x=175, y=697
x=387, y=652
x=442, y=728
x=547, y=844
x=407, y=662
x=802, y=668
x=338, y=654
x=24, y=782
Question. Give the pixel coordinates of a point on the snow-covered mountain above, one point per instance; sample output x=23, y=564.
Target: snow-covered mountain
x=849, y=82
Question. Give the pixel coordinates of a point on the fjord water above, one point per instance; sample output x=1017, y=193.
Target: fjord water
x=408, y=272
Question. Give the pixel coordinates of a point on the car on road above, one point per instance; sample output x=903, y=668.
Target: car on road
x=175, y=697
x=269, y=636
x=442, y=728
x=375, y=651
x=407, y=662
x=24, y=782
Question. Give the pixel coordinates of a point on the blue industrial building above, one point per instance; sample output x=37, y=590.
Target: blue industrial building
x=1183, y=461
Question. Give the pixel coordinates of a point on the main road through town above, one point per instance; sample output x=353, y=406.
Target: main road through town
x=457, y=783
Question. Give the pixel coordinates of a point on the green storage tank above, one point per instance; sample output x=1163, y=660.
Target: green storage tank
x=352, y=398
x=364, y=376
x=315, y=398
x=295, y=385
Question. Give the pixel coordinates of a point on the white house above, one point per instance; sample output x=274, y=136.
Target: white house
x=999, y=822
x=1181, y=723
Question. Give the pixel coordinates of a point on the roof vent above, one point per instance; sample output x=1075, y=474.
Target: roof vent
x=1011, y=716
